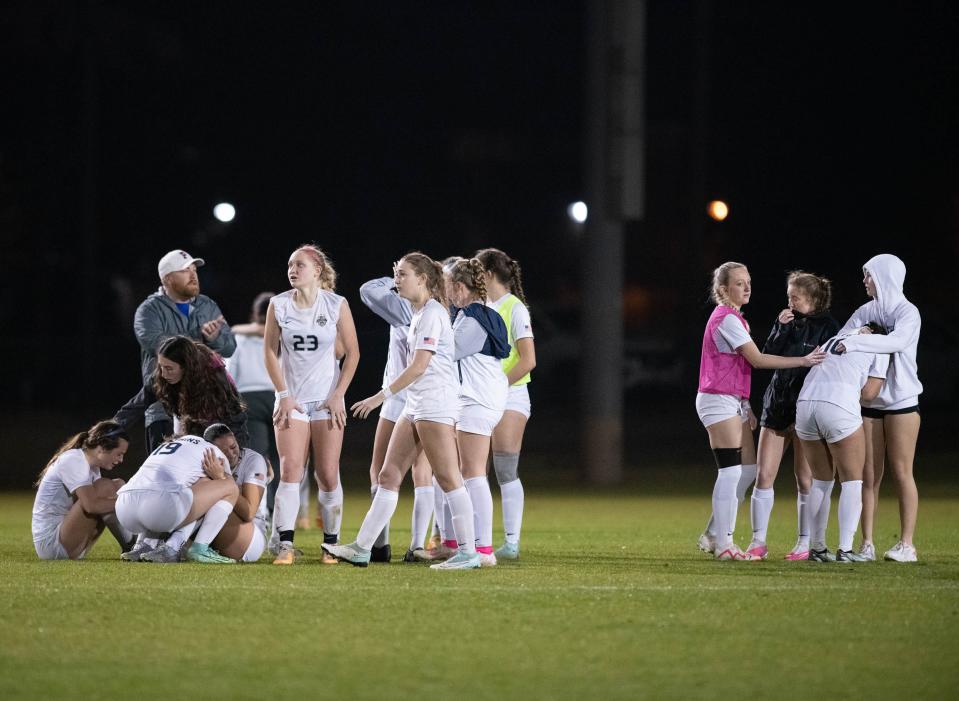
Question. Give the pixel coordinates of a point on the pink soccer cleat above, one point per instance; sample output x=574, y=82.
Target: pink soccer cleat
x=758, y=550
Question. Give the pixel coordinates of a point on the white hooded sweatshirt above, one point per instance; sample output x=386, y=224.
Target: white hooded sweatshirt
x=901, y=319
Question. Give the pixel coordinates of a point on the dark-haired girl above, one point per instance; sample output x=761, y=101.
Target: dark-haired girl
x=73, y=502
x=428, y=419
x=504, y=290
x=802, y=326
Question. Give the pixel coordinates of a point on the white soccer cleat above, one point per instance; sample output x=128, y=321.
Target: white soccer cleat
x=901, y=552
x=487, y=560
x=868, y=551
x=732, y=552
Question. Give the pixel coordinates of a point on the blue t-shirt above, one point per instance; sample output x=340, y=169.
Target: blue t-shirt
x=184, y=307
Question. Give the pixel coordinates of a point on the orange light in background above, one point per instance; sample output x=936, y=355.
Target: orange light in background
x=718, y=210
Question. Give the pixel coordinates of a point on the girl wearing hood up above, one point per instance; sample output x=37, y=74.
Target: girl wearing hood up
x=891, y=420
x=802, y=326
x=725, y=371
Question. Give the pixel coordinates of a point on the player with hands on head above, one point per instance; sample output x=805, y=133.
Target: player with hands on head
x=722, y=402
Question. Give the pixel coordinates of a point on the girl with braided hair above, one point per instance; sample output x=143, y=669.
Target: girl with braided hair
x=428, y=419
x=504, y=293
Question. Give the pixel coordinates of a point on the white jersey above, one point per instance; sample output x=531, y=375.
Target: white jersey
x=436, y=391
x=839, y=379
x=57, y=489
x=481, y=376
x=252, y=470
x=176, y=463
x=308, y=340
x=246, y=365
x=379, y=296
x=731, y=334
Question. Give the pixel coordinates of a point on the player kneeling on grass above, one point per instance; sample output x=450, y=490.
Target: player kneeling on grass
x=74, y=503
x=243, y=536
x=829, y=423
x=171, y=491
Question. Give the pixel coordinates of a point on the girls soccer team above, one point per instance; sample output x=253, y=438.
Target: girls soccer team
x=455, y=392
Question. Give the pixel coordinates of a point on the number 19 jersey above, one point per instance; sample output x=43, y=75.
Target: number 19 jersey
x=308, y=341
x=175, y=463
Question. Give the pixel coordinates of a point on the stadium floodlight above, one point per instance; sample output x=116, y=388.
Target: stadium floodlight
x=718, y=210
x=578, y=212
x=224, y=212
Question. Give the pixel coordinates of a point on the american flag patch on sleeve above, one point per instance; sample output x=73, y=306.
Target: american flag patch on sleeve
x=429, y=341
x=258, y=476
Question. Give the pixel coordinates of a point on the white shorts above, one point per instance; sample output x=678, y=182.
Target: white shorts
x=444, y=418
x=517, y=399
x=257, y=545
x=49, y=547
x=816, y=419
x=312, y=411
x=713, y=408
x=476, y=418
x=392, y=408
x=152, y=511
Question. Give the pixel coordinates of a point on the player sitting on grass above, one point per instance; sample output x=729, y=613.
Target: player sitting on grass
x=828, y=410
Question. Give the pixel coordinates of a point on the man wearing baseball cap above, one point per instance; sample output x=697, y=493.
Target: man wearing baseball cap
x=176, y=309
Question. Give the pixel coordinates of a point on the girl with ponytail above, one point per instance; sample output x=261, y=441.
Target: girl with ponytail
x=504, y=294
x=73, y=502
x=428, y=419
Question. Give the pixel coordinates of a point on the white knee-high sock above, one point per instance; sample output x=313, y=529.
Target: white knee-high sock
x=285, y=507
x=380, y=513
x=331, y=509
x=819, y=503
x=514, y=499
x=422, y=510
x=439, y=512
x=711, y=526
x=180, y=535
x=213, y=521
x=383, y=539
x=746, y=478
x=850, y=509
x=725, y=504
x=760, y=507
x=461, y=516
x=303, y=510
x=482, y=498
x=802, y=518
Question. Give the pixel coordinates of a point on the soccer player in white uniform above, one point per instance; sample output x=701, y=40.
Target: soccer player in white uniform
x=243, y=536
x=891, y=420
x=504, y=289
x=310, y=389
x=428, y=420
x=381, y=297
x=480, y=337
x=171, y=492
x=828, y=409
x=73, y=502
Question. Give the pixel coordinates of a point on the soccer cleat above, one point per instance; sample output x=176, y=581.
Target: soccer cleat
x=135, y=553
x=707, y=543
x=867, y=550
x=274, y=543
x=901, y=552
x=411, y=556
x=507, y=551
x=350, y=552
x=758, y=550
x=440, y=552
x=164, y=553
x=200, y=552
x=382, y=553
x=820, y=555
x=732, y=552
x=487, y=559
x=327, y=559
x=434, y=542
x=800, y=551
x=286, y=554
x=848, y=556
x=459, y=561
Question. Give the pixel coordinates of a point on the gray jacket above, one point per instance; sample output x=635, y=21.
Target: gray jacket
x=158, y=318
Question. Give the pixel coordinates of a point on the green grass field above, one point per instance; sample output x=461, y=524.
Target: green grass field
x=611, y=600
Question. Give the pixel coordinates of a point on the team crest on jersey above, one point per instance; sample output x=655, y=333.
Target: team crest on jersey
x=321, y=320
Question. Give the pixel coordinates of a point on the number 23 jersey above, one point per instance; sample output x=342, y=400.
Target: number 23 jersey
x=308, y=341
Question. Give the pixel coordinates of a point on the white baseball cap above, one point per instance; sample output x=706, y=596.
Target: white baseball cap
x=175, y=261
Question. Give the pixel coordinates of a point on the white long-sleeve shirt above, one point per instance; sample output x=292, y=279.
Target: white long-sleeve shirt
x=901, y=319
x=379, y=296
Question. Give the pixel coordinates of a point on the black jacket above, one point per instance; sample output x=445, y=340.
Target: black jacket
x=797, y=338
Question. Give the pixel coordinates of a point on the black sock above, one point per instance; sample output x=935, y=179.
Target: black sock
x=286, y=536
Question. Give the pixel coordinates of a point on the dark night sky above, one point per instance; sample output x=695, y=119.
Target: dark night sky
x=375, y=128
